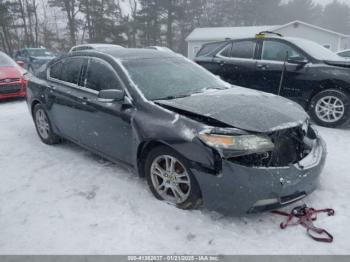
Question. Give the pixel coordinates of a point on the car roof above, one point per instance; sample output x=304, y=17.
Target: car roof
x=137, y=53
x=34, y=48
x=97, y=46
x=292, y=40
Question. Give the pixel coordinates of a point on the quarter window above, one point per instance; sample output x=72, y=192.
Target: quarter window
x=277, y=51
x=101, y=76
x=207, y=49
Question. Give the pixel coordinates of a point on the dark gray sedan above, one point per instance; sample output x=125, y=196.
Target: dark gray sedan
x=197, y=140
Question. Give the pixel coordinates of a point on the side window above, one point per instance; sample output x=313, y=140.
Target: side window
x=101, y=76
x=243, y=49
x=345, y=54
x=55, y=70
x=71, y=69
x=226, y=52
x=277, y=51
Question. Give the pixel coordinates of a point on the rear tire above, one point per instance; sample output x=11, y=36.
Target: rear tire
x=170, y=179
x=330, y=108
x=43, y=126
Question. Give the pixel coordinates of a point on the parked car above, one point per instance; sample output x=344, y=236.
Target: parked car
x=12, y=80
x=99, y=47
x=344, y=53
x=312, y=75
x=34, y=58
x=194, y=137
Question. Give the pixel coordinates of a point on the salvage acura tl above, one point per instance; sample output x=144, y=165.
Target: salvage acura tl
x=197, y=140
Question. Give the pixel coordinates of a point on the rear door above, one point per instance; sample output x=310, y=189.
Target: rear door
x=64, y=94
x=275, y=54
x=237, y=62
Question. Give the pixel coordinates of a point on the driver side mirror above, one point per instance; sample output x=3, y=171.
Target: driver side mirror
x=299, y=60
x=111, y=95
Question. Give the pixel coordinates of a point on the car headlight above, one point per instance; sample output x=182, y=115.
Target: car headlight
x=241, y=143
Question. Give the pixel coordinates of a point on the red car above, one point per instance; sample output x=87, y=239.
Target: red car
x=12, y=80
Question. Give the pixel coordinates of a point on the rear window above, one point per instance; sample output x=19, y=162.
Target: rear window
x=208, y=49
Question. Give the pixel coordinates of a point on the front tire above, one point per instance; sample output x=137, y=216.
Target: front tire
x=43, y=126
x=170, y=179
x=330, y=108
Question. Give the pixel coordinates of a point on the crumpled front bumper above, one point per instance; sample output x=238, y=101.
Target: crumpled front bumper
x=240, y=189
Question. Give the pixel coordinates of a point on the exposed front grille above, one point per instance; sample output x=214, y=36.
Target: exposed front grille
x=9, y=80
x=290, y=148
x=10, y=88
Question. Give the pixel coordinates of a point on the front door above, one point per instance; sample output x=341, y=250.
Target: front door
x=105, y=126
x=274, y=65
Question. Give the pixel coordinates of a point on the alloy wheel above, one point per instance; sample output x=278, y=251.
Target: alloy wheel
x=330, y=109
x=170, y=179
x=42, y=123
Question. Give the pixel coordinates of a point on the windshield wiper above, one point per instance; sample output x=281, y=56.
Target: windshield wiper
x=198, y=92
x=173, y=97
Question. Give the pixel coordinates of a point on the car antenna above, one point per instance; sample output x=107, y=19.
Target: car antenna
x=284, y=70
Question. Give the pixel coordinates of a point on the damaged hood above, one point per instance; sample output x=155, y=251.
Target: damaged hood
x=243, y=108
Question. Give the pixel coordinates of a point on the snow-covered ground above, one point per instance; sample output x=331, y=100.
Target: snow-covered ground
x=65, y=200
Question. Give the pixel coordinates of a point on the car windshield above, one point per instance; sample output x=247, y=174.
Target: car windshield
x=171, y=78
x=316, y=50
x=5, y=60
x=39, y=52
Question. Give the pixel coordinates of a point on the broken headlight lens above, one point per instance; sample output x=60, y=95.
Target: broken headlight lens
x=241, y=143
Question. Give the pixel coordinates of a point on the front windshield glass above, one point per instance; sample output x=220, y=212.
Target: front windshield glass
x=316, y=50
x=171, y=78
x=39, y=52
x=5, y=60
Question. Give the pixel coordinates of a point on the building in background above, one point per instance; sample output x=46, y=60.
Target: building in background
x=330, y=39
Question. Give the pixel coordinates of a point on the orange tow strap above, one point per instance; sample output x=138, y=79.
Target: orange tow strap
x=305, y=216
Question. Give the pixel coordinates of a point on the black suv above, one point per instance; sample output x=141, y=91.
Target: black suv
x=298, y=69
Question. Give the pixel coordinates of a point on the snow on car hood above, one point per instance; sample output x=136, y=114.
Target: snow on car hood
x=243, y=108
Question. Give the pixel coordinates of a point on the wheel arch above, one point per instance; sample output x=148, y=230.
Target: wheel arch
x=142, y=150
x=329, y=85
x=34, y=103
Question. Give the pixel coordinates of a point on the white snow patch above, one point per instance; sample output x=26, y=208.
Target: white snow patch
x=177, y=117
x=64, y=200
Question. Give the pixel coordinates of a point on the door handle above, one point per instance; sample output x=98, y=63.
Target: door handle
x=84, y=100
x=263, y=66
x=51, y=88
